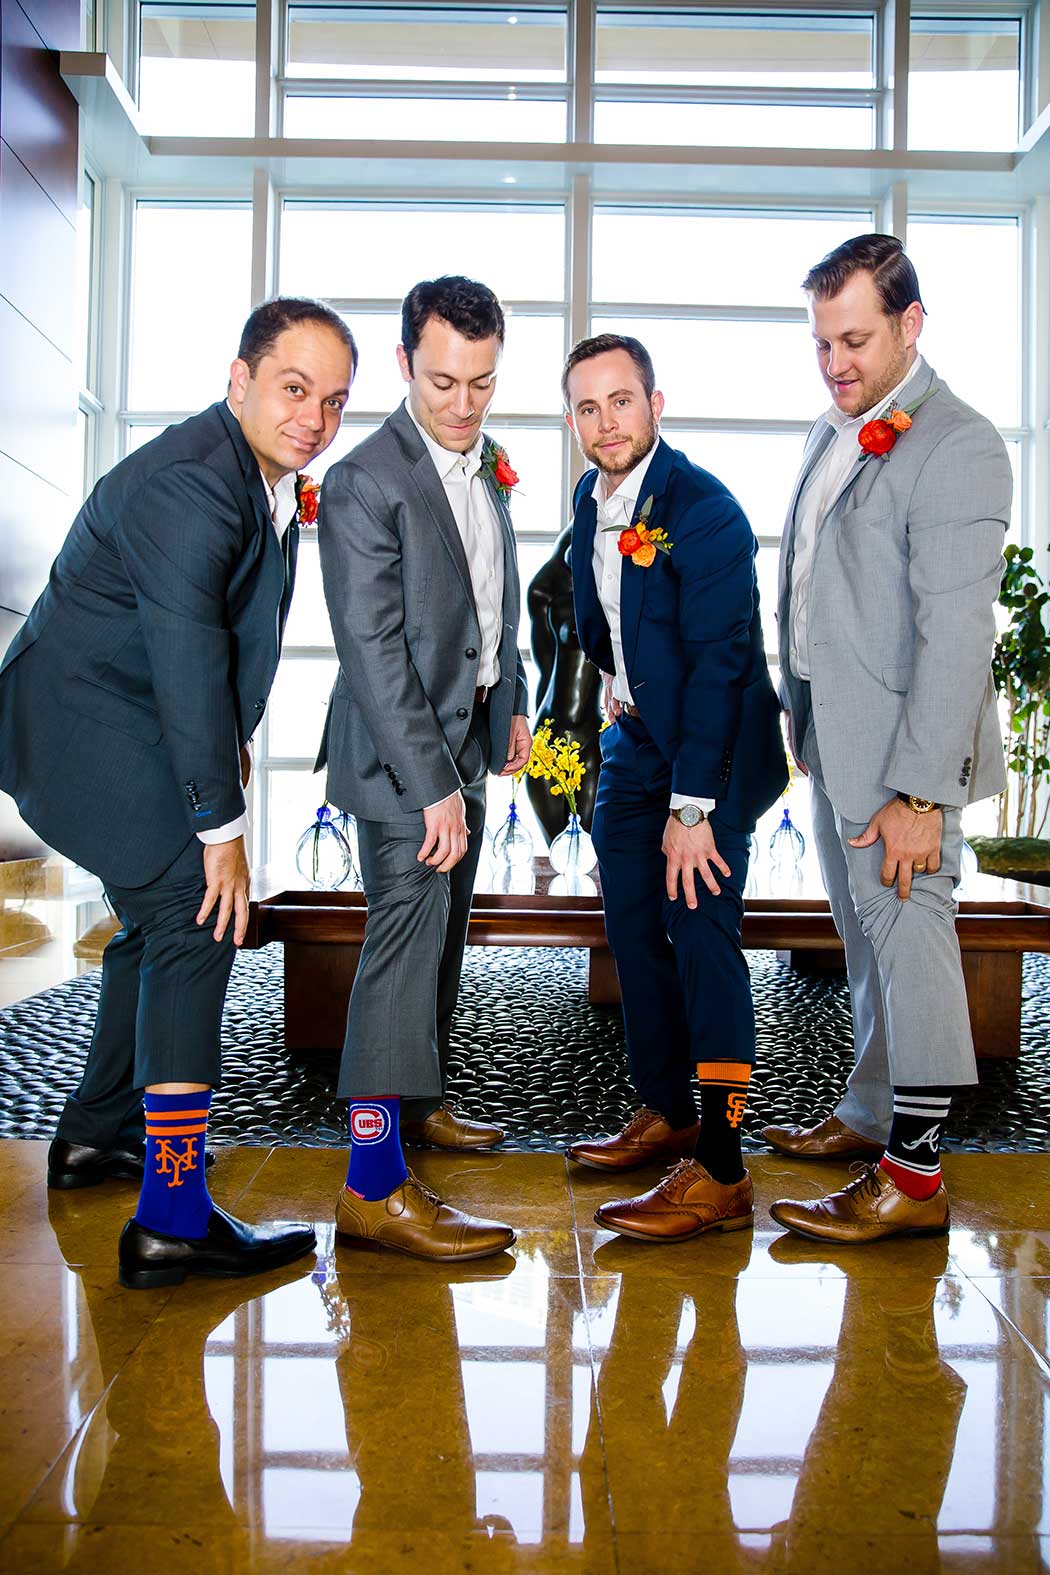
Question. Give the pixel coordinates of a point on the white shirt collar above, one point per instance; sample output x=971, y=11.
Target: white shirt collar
x=629, y=487
x=446, y=460
x=842, y=423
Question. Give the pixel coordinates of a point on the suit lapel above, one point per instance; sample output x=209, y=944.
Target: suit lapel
x=432, y=492
x=511, y=589
x=291, y=553
x=632, y=578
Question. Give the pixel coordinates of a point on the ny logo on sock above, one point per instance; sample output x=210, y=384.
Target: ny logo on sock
x=930, y=1137
x=737, y=1104
x=169, y=1163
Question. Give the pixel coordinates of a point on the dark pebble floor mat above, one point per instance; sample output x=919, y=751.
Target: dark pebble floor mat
x=528, y=1051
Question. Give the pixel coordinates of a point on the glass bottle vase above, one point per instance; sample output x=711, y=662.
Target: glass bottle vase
x=323, y=856
x=572, y=851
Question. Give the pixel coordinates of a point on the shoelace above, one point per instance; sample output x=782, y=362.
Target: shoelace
x=423, y=1190
x=640, y=1119
x=865, y=1179
x=673, y=1175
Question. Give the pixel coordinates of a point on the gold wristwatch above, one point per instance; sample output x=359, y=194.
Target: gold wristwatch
x=688, y=815
x=921, y=806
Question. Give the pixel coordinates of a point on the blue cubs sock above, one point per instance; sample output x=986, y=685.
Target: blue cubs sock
x=377, y=1164
x=174, y=1197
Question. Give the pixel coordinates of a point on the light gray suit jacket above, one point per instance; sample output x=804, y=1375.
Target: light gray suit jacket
x=905, y=576
x=406, y=631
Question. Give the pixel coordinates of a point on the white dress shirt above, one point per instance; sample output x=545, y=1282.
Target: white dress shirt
x=820, y=492
x=615, y=513
x=479, y=531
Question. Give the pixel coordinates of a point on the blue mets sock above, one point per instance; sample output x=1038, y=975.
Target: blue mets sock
x=377, y=1164
x=174, y=1198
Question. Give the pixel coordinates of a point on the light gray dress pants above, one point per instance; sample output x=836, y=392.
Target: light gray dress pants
x=911, y=1023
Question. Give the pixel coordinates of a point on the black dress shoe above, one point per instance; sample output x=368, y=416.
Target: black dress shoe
x=75, y=1165
x=229, y=1248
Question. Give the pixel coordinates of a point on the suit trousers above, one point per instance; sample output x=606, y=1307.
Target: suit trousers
x=399, y=1022
x=159, y=1019
x=683, y=977
x=911, y=1023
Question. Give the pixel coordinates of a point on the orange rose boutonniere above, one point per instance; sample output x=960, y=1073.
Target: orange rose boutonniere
x=878, y=437
x=494, y=462
x=638, y=542
x=308, y=496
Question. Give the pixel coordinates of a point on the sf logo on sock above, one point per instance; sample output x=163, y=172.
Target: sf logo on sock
x=369, y=1124
x=737, y=1104
x=170, y=1163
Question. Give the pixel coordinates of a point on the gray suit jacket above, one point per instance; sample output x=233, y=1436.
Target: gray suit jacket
x=906, y=571
x=406, y=631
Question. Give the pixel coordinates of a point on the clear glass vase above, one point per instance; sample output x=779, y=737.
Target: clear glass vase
x=512, y=843
x=572, y=851
x=787, y=847
x=323, y=855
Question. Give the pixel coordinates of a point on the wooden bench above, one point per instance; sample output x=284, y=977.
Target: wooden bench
x=322, y=932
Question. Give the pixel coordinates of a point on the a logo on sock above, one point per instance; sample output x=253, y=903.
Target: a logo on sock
x=931, y=1137
x=737, y=1104
x=369, y=1124
x=170, y=1163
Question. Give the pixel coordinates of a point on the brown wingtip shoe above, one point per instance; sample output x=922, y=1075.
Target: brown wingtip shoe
x=827, y=1139
x=869, y=1208
x=414, y=1220
x=647, y=1139
x=687, y=1202
x=443, y=1128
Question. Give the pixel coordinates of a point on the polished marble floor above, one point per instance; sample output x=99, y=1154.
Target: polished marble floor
x=735, y=1404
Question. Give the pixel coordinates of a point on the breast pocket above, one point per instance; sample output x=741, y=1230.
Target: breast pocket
x=897, y=678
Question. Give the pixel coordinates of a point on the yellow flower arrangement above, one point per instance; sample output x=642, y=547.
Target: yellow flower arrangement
x=557, y=761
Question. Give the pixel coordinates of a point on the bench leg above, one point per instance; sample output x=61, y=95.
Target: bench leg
x=603, y=987
x=317, y=982
x=993, y=991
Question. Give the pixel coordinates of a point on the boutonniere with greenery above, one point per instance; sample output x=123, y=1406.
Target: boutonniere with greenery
x=878, y=437
x=638, y=542
x=308, y=497
x=495, y=464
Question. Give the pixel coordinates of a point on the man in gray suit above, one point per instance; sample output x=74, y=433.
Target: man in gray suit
x=418, y=558
x=889, y=574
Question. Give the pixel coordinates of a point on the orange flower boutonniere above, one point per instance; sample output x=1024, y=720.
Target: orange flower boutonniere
x=638, y=542
x=308, y=495
x=878, y=437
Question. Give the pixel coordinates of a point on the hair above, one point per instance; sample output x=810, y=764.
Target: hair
x=587, y=349
x=268, y=321
x=465, y=305
x=892, y=272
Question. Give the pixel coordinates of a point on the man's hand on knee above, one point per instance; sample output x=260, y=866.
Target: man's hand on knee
x=445, y=841
x=228, y=881
x=911, y=843
x=688, y=849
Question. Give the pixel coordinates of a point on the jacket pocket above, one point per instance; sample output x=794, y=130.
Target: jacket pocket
x=117, y=711
x=897, y=678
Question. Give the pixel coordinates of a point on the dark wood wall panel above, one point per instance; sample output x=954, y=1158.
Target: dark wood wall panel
x=38, y=113
x=38, y=407
x=57, y=21
x=38, y=257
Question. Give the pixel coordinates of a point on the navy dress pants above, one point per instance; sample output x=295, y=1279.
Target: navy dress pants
x=683, y=976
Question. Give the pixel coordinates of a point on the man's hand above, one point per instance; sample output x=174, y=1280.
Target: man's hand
x=796, y=757
x=611, y=706
x=445, y=841
x=246, y=764
x=689, y=848
x=229, y=882
x=519, y=746
x=909, y=842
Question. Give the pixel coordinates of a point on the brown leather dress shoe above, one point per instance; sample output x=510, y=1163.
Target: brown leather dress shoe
x=686, y=1203
x=413, y=1219
x=443, y=1128
x=647, y=1139
x=827, y=1139
x=869, y=1208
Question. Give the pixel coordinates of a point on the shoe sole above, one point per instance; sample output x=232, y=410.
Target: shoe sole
x=869, y=1154
x=453, y=1148
x=738, y=1222
x=153, y=1279
x=369, y=1244
x=867, y=1241
x=619, y=1167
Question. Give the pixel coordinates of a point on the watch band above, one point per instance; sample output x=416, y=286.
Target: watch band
x=689, y=815
x=921, y=806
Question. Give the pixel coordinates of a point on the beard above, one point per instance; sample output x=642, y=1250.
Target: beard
x=874, y=391
x=638, y=449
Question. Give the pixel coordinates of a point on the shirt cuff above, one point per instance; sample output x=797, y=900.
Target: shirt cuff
x=228, y=833
x=680, y=800
x=438, y=802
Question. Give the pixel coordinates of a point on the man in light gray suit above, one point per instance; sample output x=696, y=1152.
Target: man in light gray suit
x=889, y=574
x=420, y=576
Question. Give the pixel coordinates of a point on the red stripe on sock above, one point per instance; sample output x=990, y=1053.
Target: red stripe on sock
x=909, y=1181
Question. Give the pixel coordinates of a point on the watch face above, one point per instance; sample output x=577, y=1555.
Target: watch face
x=690, y=815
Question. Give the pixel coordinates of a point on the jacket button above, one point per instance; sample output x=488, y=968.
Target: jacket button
x=260, y=705
x=470, y=653
x=462, y=713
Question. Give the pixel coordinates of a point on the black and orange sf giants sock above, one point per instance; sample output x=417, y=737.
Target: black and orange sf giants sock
x=723, y=1100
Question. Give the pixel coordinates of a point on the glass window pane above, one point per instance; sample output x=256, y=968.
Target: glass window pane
x=734, y=125
x=964, y=83
x=359, y=252
x=294, y=800
x=540, y=501
x=308, y=615
x=138, y=435
x=426, y=43
x=978, y=353
x=720, y=259
x=759, y=469
x=85, y=302
x=504, y=119
x=298, y=702
x=662, y=48
x=197, y=70
x=724, y=369
x=191, y=293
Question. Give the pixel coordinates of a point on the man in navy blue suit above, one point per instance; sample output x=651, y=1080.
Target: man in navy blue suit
x=663, y=569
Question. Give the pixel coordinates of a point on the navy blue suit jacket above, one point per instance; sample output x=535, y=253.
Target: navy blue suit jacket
x=692, y=639
x=148, y=659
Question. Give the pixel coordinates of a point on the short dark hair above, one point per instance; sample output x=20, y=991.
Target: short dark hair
x=467, y=306
x=892, y=272
x=268, y=321
x=587, y=349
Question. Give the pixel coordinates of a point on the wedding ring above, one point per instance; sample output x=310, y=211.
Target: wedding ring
x=920, y=869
